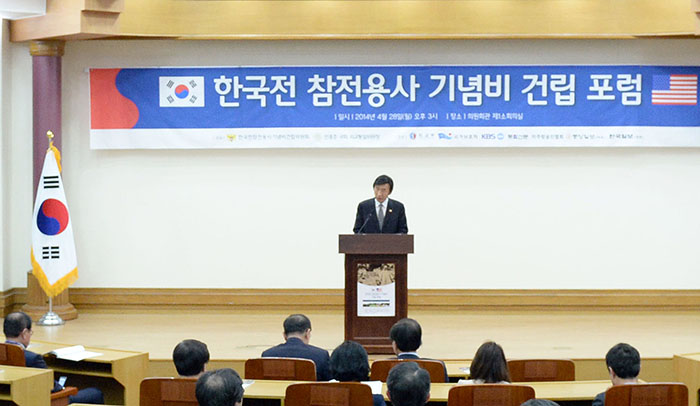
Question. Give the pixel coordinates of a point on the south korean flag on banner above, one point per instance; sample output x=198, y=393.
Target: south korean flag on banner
x=54, y=262
x=181, y=91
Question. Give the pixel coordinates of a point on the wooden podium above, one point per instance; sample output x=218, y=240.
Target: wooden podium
x=375, y=261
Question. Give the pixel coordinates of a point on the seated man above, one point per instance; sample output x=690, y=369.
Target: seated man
x=408, y=385
x=297, y=334
x=190, y=357
x=623, y=366
x=406, y=336
x=18, y=330
x=222, y=387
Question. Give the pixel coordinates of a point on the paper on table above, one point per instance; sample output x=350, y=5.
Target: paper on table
x=375, y=385
x=247, y=383
x=74, y=353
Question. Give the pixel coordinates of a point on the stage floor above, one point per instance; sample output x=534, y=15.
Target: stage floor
x=448, y=335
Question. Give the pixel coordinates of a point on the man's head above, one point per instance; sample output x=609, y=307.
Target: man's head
x=349, y=363
x=299, y=326
x=222, y=387
x=623, y=363
x=189, y=357
x=539, y=402
x=406, y=335
x=408, y=385
x=383, y=186
x=18, y=327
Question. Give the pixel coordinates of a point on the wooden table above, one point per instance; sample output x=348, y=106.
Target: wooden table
x=686, y=368
x=25, y=386
x=118, y=374
x=557, y=391
x=457, y=369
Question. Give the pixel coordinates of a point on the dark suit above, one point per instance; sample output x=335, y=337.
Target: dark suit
x=295, y=348
x=88, y=395
x=599, y=399
x=378, y=400
x=411, y=356
x=394, y=218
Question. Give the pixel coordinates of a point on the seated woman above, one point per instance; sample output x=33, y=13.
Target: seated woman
x=349, y=363
x=488, y=366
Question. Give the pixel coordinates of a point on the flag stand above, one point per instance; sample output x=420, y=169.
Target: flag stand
x=51, y=318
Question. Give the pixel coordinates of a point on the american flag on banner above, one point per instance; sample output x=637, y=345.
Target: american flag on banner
x=675, y=90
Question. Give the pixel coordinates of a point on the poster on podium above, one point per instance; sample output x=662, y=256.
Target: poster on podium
x=376, y=290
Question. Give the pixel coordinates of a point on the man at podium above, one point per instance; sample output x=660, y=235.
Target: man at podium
x=381, y=215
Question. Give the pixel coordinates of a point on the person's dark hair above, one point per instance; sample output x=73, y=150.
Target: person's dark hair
x=15, y=323
x=539, y=402
x=349, y=363
x=222, y=387
x=190, y=356
x=296, y=323
x=384, y=180
x=624, y=361
x=407, y=334
x=408, y=385
x=489, y=364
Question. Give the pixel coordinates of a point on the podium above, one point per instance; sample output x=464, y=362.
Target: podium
x=375, y=286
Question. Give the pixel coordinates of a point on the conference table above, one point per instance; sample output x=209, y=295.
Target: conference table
x=566, y=392
x=687, y=370
x=25, y=386
x=117, y=373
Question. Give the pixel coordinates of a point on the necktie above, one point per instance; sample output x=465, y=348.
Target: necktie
x=380, y=216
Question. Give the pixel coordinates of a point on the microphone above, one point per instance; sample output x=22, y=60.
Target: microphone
x=364, y=224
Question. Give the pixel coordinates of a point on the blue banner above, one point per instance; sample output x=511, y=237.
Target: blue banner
x=227, y=103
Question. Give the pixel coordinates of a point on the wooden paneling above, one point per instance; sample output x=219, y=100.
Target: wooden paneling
x=453, y=299
x=355, y=19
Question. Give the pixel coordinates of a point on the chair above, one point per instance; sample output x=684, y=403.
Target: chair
x=539, y=370
x=489, y=394
x=13, y=355
x=651, y=394
x=168, y=392
x=380, y=368
x=285, y=369
x=61, y=398
x=328, y=394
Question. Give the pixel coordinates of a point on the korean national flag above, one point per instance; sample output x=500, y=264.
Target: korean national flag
x=54, y=262
x=181, y=91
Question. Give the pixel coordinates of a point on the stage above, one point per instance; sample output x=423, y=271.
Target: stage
x=235, y=335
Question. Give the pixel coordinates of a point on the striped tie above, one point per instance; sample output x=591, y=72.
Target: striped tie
x=380, y=216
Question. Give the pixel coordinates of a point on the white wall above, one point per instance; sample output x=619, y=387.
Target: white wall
x=4, y=125
x=483, y=218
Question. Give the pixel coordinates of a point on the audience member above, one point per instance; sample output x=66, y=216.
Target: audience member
x=349, y=363
x=222, y=387
x=406, y=337
x=18, y=330
x=408, y=385
x=297, y=334
x=623, y=363
x=539, y=402
x=488, y=366
x=190, y=358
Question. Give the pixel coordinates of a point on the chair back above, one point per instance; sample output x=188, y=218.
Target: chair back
x=489, y=394
x=539, y=370
x=285, y=369
x=380, y=368
x=168, y=392
x=328, y=394
x=12, y=354
x=650, y=394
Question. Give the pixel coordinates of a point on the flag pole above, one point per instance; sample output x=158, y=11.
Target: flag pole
x=50, y=318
